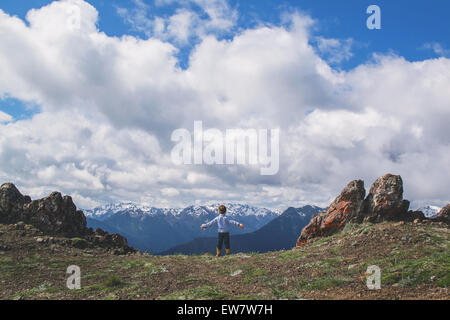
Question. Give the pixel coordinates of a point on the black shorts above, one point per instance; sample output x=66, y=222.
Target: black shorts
x=223, y=236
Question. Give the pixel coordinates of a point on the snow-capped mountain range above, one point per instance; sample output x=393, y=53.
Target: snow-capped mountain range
x=104, y=212
x=157, y=229
x=281, y=233
x=233, y=209
x=430, y=211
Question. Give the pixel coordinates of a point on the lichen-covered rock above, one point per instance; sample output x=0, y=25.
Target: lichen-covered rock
x=344, y=208
x=444, y=215
x=55, y=215
x=385, y=201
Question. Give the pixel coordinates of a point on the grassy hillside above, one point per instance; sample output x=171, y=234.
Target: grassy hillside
x=414, y=260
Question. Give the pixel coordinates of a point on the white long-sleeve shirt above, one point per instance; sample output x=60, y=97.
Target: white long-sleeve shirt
x=223, y=223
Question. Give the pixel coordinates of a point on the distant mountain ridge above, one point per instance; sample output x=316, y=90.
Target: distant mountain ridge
x=102, y=213
x=158, y=229
x=279, y=234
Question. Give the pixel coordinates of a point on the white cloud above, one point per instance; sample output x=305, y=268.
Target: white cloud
x=437, y=48
x=180, y=25
x=110, y=104
x=195, y=19
x=221, y=15
x=333, y=50
x=170, y=192
x=4, y=117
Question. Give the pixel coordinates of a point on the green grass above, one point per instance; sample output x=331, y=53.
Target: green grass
x=95, y=274
x=137, y=293
x=113, y=282
x=258, y=296
x=292, y=255
x=5, y=261
x=337, y=251
x=412, y=272
x=198, y=293
x=56, y=264
x=257, y=272
x=132, y=264
x=149, y=268
x=415, y=267
x=280, y=293
x=33, y=259
x=79, y=243
x=110, y=284
x=332, y=261
x=323, y=283
x=251, y=273
x=32, y=293
x=356, y=228
x=188, y=280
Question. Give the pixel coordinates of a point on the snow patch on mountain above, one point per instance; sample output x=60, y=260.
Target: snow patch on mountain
x=306, y=210
x=430, y=211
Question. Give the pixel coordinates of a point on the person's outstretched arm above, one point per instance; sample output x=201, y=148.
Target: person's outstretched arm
x=209, y=224
x=240, y=225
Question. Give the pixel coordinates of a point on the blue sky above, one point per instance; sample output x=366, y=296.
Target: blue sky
x=407, y=25
x=90, y=111
x=410, y=28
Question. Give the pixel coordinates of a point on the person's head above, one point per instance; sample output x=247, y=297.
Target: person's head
x=222, y=209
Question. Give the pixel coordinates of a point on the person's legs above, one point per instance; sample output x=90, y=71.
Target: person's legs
x=219, y=244
x=227, y=243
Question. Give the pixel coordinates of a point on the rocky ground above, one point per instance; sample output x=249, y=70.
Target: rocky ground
x=414, y=259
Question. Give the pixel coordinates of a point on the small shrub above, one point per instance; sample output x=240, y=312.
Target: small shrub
x=113, y=282
x=79, y=243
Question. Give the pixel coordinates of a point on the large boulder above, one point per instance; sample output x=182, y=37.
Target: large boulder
x=11, y=203
x=55, y=215
x=344, y=208
x=383, y=202
x=103, y=239
x=444, y=215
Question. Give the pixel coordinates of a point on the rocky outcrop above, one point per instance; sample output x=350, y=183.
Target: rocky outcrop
x=104, y=239
x=444, y=215
x=11, y=203
x=54, y=215
x=383, y=202
x=343, y=209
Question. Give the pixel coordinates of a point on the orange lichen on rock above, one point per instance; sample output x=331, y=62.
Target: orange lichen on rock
x=383, y=202
x=340, y=211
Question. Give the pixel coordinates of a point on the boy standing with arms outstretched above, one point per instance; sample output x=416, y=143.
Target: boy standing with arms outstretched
x=223, y=223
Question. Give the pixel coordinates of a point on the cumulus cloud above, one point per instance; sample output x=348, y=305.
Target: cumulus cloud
x=4, y=117
x=194, y=19
x=334, y=51
x=109, y=106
